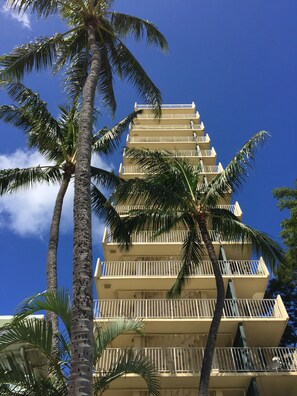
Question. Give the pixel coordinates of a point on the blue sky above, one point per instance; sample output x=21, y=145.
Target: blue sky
x=237, y=60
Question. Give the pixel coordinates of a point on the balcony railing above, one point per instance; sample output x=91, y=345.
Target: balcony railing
x=171, y=268
x=166, y=106
x=168, y=139
x=170, y=115
x=124, y=209
x=138, y=170
x=177, y=236
x=186, y=153
x=199, y=127
x=189, y=360
x=188, y=309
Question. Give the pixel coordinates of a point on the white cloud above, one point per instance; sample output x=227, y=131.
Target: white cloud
x=23, y=18
x=29, y=211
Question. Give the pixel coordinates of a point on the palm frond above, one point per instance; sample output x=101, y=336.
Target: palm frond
x=20, y=377
x=192, y=253
x=16, y=117
x=76, y=74
x=31, y=331
x=104, y=178
x=125, y=25
x=54, y=301
x=42, y=8
x=14, y=179
x=106, y=141
x=37, y=55
x=105, y=334
x=131, y=362
x=126, y=66
x=103, y=208
x=231, y=229
x=237, y=170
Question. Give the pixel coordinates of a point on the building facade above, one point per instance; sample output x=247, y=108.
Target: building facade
x=247, y=361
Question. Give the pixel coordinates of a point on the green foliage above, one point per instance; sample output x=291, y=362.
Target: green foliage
x=285, y=282
x=174, y=194
x=70, y=50
x=49, y=374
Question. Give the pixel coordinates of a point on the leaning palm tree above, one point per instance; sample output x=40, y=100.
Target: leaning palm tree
x=175, y=194
x=56, y=140
x=93, y=49
x=48, y=374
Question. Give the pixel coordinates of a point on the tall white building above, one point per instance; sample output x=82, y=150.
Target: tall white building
x=247, y=361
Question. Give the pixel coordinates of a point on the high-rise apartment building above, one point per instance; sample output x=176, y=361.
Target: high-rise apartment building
x=247, y=359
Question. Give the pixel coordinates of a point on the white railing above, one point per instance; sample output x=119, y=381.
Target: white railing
x=199, y=127
x=136, y=169
x=186, y=309
x=189, y=360
x=184, y=153
x=168, y=139
x=166, y=106
x=176, y=236
x=171, y=268
x=125, y=209
x=170, y=115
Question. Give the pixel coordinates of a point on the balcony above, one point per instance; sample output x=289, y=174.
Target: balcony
x=131, y=171
x=229, y=360
x=192, y=116
x=168, y=142
x=165, y=106
x=195, y=315
x=144, y=243
x=148, y=269
x=275, y=370
x=164, y=127
x=184, y=309
x=192, y=156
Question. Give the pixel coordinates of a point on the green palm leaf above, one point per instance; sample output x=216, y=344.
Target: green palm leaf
x=129, y=363
x=37, y=55
x=128, y=67
x=14, y=179
x=52, y=300
x=237, y=169
x=126, y=24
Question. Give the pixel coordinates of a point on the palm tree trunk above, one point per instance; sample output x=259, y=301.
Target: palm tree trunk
x=214, y=327
x=80, y=380
x=51, y=262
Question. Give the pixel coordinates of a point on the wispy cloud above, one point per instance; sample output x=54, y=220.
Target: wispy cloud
x=29, y=211
x=23, y=18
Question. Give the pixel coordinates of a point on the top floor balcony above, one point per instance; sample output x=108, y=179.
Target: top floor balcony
x=181, y=107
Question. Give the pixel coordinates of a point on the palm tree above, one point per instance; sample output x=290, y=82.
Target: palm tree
x=175, y=195
x=49, y=374
x=93, y=48
x=56, y=139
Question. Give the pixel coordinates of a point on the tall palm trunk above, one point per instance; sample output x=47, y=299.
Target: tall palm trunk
x=80, y=380
x=51, y=261
x=214, y=327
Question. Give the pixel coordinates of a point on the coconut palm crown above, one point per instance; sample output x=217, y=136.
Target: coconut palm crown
x=175, y=194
